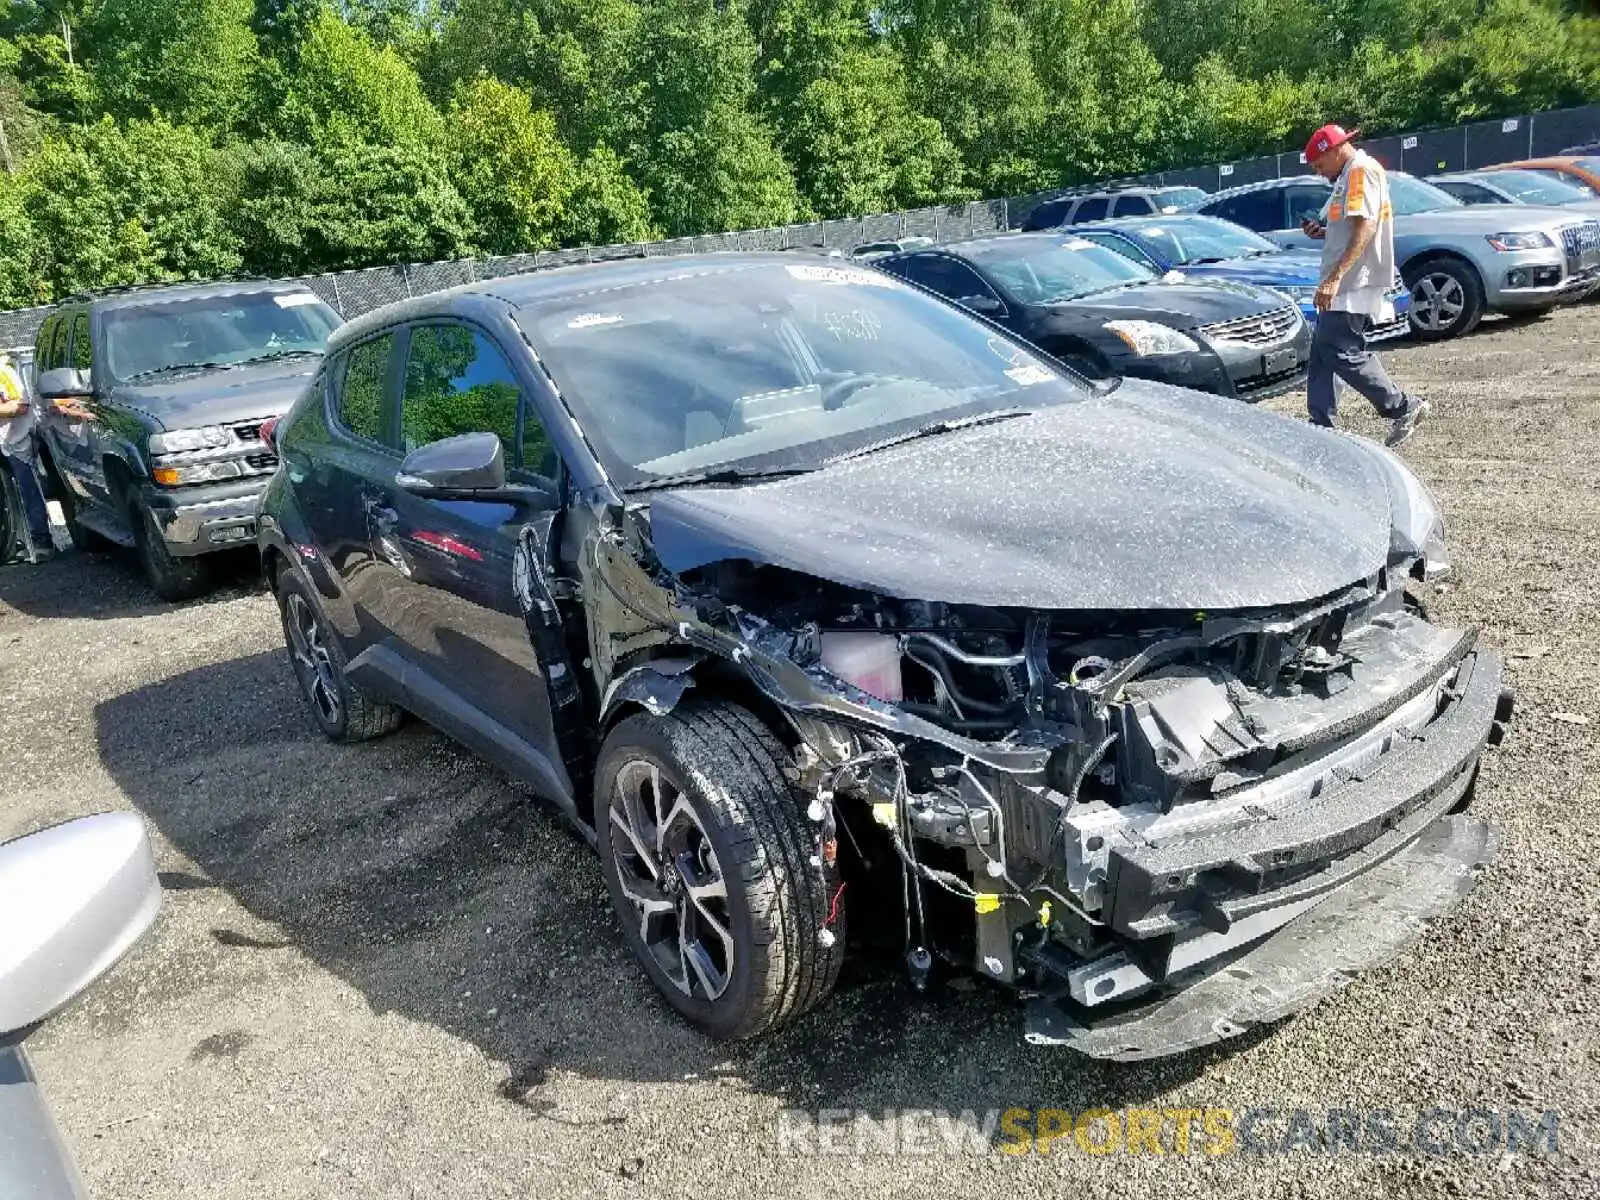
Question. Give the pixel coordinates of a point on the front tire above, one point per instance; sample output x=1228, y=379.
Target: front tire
x=341, y=710
x=707, y=854
x=1446, y=298
x=170, y=577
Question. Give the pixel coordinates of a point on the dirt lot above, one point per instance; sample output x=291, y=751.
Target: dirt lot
x=382, y=972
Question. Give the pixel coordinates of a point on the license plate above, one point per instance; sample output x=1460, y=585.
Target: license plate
x=1280, y=361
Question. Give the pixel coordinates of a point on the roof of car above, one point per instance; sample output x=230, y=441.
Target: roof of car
x=141, y=294
x=557, y=283
x=1264, y=185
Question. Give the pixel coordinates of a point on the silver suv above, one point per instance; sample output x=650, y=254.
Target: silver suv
x=1459, y=260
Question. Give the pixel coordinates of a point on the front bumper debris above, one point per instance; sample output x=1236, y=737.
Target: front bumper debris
x=1360, y=926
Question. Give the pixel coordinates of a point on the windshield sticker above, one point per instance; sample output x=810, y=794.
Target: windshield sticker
x=856, y=325
x=1006, y=352
x=815, y=274
x=588, y=320
x=296, y=300
x=1029, y=375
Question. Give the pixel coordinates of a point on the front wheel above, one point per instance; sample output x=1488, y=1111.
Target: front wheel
x=170, y=577
x=1446, y=298
x=707, y=854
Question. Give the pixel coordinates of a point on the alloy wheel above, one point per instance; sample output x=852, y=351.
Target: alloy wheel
x=669, y=873
x=318, y=676
x=1437, y=301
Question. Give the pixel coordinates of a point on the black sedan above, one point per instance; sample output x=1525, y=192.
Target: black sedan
x=1105, y=316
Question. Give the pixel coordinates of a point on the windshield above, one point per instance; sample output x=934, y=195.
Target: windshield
x=1186, y=240
x=1535, y=188
x=1180, y=197
x=1409, y=195
x=1589, y=193
x=769, y=366
x=1041, y=270
x=162, y=335
x=1532, y=188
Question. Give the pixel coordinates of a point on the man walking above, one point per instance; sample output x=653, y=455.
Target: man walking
x=1357, y=234
x=16, y=456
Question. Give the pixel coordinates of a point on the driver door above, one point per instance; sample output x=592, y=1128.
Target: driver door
x=445, y=568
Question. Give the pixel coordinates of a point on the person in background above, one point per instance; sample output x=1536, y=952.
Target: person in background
x=1357, y=235
x=17, y=456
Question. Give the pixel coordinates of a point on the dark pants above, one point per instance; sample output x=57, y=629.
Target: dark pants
x=34, y=512
x=1339, y=348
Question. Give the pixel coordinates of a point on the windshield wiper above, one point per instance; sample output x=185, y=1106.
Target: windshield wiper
x=933, y=429
x=276, y=355
x=716, y=475
x=191, y=366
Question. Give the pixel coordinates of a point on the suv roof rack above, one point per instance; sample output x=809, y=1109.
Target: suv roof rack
x=123, y=289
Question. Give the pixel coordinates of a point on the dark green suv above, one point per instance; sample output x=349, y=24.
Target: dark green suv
x=154, y=399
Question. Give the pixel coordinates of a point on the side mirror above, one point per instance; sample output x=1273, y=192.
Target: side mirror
x=987, y=305
x=64, y=383
x=468, y=462
x=76, y=897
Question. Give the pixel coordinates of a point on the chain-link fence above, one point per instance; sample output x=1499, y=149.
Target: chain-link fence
x=352, y=293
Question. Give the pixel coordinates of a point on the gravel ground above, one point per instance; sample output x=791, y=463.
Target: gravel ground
x=382, y=972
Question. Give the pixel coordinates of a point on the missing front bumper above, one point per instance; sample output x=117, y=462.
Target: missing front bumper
x=1362, y=925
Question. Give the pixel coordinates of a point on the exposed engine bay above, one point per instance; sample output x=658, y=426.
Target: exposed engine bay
x=1094, y=807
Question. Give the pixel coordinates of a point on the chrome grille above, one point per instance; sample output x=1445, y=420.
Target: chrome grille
x=1263, y=329
x=1582, y=245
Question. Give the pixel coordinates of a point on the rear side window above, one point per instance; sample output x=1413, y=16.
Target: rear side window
x=58, y=349
x=1093, y=209
x=951, y=279
x=362, y=393
x=41, y=349
x=1047, y=215
x=1306, y=202
x=1133, y=206
x=82, y=351
x=1260, y=211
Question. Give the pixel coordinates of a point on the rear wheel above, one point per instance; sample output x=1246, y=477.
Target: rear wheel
x=707, y=854
x=341, y=710
x=1446, y=298
x=170, y=577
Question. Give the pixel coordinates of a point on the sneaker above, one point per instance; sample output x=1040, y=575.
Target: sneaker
x=1403, y=426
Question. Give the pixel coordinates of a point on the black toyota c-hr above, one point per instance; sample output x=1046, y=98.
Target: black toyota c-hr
x=812, y=599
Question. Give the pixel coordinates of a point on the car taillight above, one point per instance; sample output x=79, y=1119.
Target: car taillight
x=269, y=427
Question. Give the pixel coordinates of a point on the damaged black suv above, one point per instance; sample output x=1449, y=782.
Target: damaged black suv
x=810, y=598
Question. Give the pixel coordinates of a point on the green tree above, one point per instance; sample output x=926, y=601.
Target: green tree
x=704, y=155
x=606, y=207
x=342, y=87
x=841, y=105
x=190, y=60
x=510, y=167
x=387, y=204
x=20, y=282
x=113, y=204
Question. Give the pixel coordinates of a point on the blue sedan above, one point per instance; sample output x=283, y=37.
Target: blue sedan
x=1207, y=247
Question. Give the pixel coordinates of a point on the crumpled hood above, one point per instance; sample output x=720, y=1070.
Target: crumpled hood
x=1150, y=497
x=220, y=396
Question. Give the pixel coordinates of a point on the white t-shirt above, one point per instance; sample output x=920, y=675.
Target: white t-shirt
x=14, y=431
x=1362, y=190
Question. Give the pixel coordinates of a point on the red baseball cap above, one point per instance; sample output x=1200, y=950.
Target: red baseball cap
x=1326, y=139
